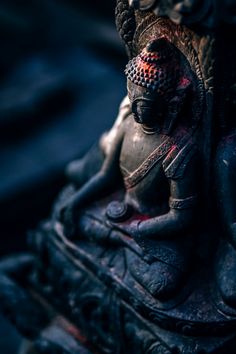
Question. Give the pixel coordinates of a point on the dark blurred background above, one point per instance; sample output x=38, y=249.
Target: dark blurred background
x=61, y=82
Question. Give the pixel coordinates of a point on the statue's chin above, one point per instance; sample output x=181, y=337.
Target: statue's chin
x=146, y=122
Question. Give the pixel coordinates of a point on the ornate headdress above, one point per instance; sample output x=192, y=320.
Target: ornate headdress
x=159, y=69
x=156, y=68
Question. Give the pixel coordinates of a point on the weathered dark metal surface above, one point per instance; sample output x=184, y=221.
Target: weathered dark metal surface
x=139, y=253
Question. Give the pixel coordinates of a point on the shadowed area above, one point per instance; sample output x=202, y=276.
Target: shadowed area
x=61, y=83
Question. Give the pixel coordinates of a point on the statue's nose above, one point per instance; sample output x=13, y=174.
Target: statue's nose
x=142, y=4
x=134, y=3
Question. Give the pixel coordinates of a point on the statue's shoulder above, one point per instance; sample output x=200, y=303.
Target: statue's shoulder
x=129, y=121
x=184, y=150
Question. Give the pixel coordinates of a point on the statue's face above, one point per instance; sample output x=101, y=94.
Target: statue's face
x=147, y=107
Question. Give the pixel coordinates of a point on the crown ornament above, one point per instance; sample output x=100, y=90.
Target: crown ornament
x=156, y=68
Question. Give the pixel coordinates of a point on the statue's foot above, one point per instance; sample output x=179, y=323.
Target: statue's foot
x=226, y=274
x=158, y=278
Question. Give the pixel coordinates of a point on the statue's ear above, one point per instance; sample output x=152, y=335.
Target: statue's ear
x=175, y=105
x=172, y=114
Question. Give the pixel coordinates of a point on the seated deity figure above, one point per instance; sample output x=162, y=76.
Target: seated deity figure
x=152, y=161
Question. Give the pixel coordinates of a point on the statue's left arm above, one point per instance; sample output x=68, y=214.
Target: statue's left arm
x=182, y=206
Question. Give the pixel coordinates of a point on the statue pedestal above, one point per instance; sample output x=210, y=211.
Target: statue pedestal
x=93, y=288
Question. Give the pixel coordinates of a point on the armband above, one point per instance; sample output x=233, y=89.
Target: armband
x=182, y=203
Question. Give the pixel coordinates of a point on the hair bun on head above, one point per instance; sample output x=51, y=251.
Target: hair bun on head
x=155, y=68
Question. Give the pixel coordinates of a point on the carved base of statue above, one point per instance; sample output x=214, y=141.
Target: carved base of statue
x=91, y=293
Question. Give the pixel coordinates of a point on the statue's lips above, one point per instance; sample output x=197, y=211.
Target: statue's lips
x=145, y=111
x=145, y=107
x=144, y=116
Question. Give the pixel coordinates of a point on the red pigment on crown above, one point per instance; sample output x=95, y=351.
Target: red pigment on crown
x=156, y=71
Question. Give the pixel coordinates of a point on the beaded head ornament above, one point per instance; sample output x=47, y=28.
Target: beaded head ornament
x=156, y=68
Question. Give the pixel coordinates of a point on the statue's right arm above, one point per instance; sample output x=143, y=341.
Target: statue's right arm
x=105, y=180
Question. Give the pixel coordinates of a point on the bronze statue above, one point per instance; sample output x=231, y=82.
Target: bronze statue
x=139, y=253
x=155, y=157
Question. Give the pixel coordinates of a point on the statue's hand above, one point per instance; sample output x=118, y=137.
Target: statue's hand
x=66, y=215
x=59, y=212
x=129, y=229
